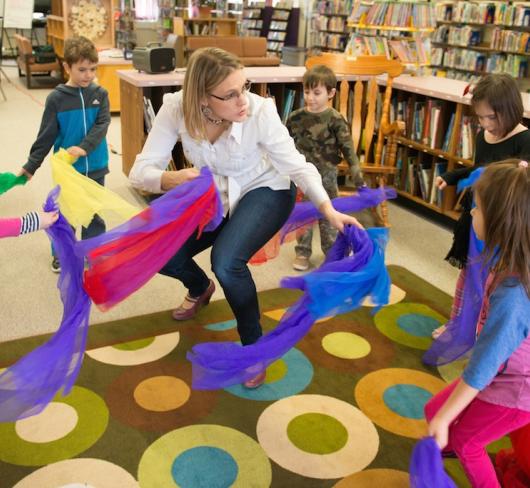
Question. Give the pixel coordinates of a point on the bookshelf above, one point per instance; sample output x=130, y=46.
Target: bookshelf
x=440, y=136
x=329, y=29
x=205, y=26
x=282, y=29
x=477, y=37
x=252, y=23
x=426, y=152
x=395, y=29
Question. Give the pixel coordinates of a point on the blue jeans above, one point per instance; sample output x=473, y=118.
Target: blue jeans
x=257, y=217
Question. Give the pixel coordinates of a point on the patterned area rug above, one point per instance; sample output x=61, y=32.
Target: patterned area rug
x=342, y=409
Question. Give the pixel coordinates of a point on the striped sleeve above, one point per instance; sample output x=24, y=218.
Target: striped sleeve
x=30, y=223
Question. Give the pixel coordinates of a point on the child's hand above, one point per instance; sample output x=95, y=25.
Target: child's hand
x=48, y=218
x=356, y=177
x=440, y=183
x=23, y=172
x=337, y=219
x=439, y=429
x=76, y=151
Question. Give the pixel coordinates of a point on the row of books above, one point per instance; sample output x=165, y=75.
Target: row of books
x=336, y=24
x=252, y=13
x=500, y=13
x=281, y=15
x=278, y=25
x=275, y=46
x=253, y=23
x=465, y=146
x=459, y=36
x=330, y=7
x=332, y=41
x=288, y=103
x=507, y=40
x=454, y=74
x=276, y=36
x=149, y=114
x=395, y=14
x=417, y=177
x=413, y=51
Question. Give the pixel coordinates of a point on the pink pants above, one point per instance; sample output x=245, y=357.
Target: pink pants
x=477, y=426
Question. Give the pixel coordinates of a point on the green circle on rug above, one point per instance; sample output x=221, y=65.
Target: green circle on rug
x=387, y=321
x=346, y=345
x=276, y=371
x=317, y=433
x=134, y=345
x=253, y=465
x=93, y=419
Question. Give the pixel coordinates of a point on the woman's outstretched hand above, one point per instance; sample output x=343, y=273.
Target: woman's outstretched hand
x=337, y=219
x=171, y=179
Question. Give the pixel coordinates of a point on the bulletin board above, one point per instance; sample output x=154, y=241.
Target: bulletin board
x=18, y=14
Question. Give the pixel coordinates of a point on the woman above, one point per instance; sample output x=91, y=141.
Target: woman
x=239, y=136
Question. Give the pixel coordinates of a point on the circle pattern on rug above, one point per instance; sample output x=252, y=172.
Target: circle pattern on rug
x=79, y=472
x=370, y=396
x=157, y=464
x=158, y=397
x=162, y=393
x=452, y=371
x=381, y=349
x=346, y=345
x=188, y=468
x=328, y=434
x=136, y=352
x=386, y=478
x=407, y=400
x=409, y=323
x=359, y=450
x=396, y=295
x=220, y=326
x=93, y=418
x=290, y=376
x=58, y=418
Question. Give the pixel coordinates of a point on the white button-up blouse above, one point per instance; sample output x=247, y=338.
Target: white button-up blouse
x=258, y=152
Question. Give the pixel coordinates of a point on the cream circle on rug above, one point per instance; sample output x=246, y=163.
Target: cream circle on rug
x=346, y=345
x=160, y=347
x=85, y=472
x=56, y=421
x=370, y=478
x=354, y=447
x=280, y=312
x=248, y=465
x=162, y=393
x=396, y=295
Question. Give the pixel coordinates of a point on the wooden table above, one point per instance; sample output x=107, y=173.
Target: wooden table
x=108, y=65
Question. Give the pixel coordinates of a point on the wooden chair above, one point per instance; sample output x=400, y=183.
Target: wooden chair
x=376, y=153
x=27, y=65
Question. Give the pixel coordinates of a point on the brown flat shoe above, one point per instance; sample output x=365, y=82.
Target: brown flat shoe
x=182, y=313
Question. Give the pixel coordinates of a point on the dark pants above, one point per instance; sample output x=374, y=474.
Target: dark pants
x=257, y=217
x=96, y=226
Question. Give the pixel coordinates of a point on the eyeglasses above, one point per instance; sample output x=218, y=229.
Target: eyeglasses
x=234, y=95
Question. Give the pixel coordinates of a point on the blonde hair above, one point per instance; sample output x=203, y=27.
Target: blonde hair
x=207, y=67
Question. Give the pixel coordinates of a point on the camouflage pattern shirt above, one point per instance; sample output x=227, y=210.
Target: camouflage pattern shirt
x=324, y=139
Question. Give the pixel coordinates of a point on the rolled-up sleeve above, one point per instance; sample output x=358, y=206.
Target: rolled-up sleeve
x=506, y=327
x=284, y=156
x=146, y=173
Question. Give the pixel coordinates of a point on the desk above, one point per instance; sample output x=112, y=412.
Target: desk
x=106, y=75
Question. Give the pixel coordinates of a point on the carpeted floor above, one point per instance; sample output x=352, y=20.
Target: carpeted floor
x=344, y=408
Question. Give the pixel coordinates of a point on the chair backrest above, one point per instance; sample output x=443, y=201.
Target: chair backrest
x=365, y=113
x=23, y=45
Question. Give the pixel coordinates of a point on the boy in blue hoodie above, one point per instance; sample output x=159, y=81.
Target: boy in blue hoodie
x=76, y=117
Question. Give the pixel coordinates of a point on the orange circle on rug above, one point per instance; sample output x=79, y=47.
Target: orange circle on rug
x=162, y=393
x=370, y=391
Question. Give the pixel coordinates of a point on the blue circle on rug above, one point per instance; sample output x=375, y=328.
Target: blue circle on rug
x=204, y=466
x=407, y=400
x=299, y=374
x=417, y=324
x=220, y=326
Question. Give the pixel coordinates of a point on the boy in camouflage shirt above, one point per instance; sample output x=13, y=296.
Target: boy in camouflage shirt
x=323, y=136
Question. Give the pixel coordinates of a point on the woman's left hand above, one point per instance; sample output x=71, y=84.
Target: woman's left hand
x=337, y=219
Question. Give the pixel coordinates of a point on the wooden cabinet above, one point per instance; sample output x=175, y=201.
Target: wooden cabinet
x=81, y=17
x=205, y=26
